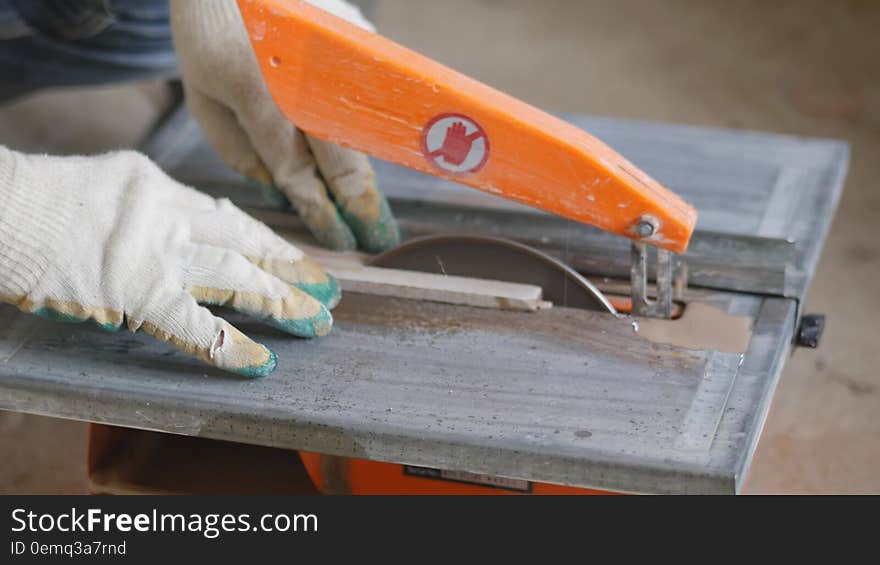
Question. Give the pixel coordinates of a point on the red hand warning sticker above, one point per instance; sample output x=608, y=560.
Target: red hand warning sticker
x=455, y=144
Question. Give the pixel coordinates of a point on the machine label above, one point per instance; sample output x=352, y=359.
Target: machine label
x=518, y=485
x=455, y=144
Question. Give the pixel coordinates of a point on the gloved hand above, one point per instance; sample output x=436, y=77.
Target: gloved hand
x=111, y=238
x=226, y=93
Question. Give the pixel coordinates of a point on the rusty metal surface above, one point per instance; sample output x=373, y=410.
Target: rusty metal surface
x=565, y=396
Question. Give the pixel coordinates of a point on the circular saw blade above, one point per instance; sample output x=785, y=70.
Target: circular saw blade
x=494, y=258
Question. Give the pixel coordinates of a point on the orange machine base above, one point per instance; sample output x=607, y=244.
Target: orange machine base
x=129, y=461
x=342, y=475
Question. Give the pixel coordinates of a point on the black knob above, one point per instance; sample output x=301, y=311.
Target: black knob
x=810, y=331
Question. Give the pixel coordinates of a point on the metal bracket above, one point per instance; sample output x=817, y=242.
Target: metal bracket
x=641, y=306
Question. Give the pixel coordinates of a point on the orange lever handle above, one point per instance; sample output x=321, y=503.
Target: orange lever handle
x=357, y=89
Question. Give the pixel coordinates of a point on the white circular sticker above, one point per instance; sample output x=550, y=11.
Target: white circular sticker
x=455, y=144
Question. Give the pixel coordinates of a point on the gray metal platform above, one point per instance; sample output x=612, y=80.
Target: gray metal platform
x=563, y=396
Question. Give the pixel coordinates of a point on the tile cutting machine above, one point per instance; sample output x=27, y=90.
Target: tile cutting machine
x=653, y=370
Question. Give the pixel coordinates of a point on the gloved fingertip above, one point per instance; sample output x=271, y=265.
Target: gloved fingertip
x=259, y=371
x=373, y=224
x=377, y=235
x=304, y=275
x=337, y=236
x=57, y=316
x=233, y=351
x=327, y=293
x=317, y=325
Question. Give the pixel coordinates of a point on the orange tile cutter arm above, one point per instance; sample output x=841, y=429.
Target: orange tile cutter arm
x=355, y=88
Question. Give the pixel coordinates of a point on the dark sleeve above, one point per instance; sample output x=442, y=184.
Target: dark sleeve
x=85, y=42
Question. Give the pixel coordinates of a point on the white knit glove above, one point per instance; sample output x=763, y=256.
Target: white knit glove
x=226, y=93
x=111, y=238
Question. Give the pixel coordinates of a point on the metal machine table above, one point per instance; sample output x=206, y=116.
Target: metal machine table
x=562, y=395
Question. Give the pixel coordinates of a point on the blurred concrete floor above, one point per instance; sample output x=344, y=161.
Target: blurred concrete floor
x=802, y=67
